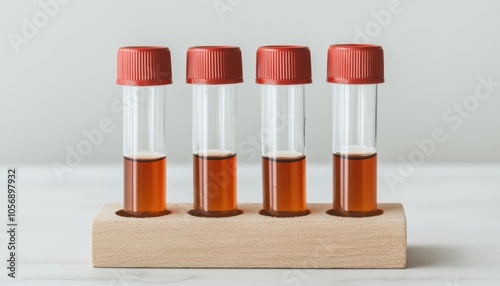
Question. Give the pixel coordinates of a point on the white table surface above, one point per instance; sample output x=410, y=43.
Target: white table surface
x=453, y=214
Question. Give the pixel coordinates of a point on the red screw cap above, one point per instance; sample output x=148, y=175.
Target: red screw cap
x=214, y=65
x=283, y=65
x=355, y=64
x=143, y=66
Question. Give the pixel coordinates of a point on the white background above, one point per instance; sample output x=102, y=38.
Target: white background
x=61, y=81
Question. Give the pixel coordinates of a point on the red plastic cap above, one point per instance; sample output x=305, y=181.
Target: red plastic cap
x=283, y=65
x=214, y=65
x=143, y=66
x=355, y=64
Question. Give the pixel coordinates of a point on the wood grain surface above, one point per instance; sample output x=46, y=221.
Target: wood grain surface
x=250, y=240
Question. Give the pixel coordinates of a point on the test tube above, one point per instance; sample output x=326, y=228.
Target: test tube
x=355, y=70
x=214, y=72
x=144, y=73
x=283, y=72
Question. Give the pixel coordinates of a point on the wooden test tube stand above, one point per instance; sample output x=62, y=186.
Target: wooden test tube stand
x=250, y=240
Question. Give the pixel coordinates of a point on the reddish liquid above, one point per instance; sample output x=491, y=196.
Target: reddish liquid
x=145, y=183
x=284, y=185
x=215, y=185
x=355, y=185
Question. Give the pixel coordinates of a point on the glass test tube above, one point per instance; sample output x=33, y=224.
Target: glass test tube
x=214, y=72
x=355, y=70
x=283, y=72
x=144, y=73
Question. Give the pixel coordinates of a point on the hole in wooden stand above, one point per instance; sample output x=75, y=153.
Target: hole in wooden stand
x=123, y=213
x=221, y=214
x=354, y=214
x=284, y=214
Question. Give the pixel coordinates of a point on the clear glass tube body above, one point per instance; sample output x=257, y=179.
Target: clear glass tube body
x=283, y=150
x=144, y=150
x=214, y=150
x=354, y=149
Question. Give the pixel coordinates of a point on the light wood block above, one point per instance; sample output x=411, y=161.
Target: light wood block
x=250, y=240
